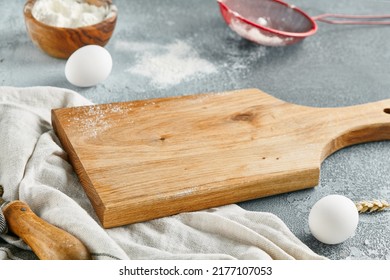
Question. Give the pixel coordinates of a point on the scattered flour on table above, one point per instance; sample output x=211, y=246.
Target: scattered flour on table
x=170, y=65
x=124, y=46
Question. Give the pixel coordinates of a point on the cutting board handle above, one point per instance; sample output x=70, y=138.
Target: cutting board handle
x=354, y=125
x=47, y=241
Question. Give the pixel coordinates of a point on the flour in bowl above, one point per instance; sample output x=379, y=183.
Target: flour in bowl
x=70, y=13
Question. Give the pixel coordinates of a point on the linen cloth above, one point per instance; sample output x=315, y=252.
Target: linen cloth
x=34, y=168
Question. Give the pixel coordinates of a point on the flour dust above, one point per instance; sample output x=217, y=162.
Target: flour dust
x=169, y=65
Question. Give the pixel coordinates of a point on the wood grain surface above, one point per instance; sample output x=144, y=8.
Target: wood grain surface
x=153, y=158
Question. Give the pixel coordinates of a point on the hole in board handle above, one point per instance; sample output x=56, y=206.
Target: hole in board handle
x=386, y=110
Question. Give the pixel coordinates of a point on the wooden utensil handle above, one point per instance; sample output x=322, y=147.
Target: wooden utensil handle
x=354, y=125
x=47, y=241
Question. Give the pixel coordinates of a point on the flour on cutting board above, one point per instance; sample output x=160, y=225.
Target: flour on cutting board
x=93, y=121
x=171, y=64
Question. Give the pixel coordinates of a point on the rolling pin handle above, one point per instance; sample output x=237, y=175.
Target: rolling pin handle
x=47, y=241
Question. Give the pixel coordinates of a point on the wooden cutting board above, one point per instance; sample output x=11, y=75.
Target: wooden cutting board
x=153, y=158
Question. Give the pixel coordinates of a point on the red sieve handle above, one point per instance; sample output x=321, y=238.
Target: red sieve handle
x=353, y=19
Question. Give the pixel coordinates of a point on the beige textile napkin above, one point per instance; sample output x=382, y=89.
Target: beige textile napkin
x=34, y=168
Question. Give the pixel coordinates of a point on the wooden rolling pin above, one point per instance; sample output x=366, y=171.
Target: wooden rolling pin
x=46, y=241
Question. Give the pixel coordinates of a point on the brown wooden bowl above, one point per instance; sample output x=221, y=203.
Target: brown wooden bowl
x=61, y=42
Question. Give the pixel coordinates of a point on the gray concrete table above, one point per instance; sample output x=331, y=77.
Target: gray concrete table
x=338, y=66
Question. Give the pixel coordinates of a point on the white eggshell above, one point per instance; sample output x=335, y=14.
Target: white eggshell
x=333, y=219
x=88, y=66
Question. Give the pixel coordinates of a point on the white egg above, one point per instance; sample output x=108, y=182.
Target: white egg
x=333, y=219
x=88, y=66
